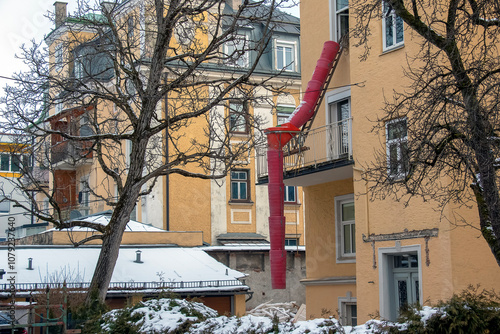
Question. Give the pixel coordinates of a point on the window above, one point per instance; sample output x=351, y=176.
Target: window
x=285, y=56
x=236, y=52
x=291, y=242
x=290, y=194
x=339, y=129
x=238, y=118
x=397, y=148
x=346, y=228
x=84, y=196
x=283, y=113
x=4, y=162
x=240, y=185
x=392, y=28
x=58, y=54
x=341, y=22
x=4, y=204
x=349, y=314
x=130, y=29
x=13, y=162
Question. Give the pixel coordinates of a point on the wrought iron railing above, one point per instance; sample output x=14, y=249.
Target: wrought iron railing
x=20, y=287
x=311, y=148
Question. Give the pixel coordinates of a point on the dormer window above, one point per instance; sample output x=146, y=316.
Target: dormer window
x=285, y=56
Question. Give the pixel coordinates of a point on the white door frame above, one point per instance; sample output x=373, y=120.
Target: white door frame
x=385, y=273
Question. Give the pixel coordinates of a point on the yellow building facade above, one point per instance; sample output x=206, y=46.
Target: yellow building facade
x=367, y=258
x=230, y=210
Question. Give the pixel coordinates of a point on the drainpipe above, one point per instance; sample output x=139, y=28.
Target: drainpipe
x=167, y=177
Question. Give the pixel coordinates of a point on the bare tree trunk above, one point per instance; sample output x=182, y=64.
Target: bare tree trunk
x=105, y=265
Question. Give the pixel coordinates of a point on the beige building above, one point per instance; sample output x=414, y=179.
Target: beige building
x=370, y=257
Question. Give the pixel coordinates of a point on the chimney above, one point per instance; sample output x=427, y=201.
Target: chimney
x=30, y=263
x=234, y=4
x=61, y=12
x=138, y=256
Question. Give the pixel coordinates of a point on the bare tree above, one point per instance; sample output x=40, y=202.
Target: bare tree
x=451, y=106
x=124, y=86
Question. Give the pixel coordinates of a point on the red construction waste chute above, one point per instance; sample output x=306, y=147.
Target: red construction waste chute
x=277, y=137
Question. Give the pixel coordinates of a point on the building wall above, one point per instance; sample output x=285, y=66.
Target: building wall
x=256, y=265
x=450, y=256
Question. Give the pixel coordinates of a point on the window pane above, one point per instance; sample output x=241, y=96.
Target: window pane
x=389, y=38
x=396, y=130
x=288, y=58
x=279, y=58
x=399, y=30
x=243, y=190
x=289, y=194
x=347, y=238
x=348, y=211
x=342, y=4
x=4, y=162
x=234, y=190
x=353, y=237
x=393, y=159
x=343, y=24
x=405, y=160
x=354, y=315
x=15, y=164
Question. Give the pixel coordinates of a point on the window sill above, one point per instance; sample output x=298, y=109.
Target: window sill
x=296, y=204
x=240, y=134
x=394, y=48
x=346, y=259
x=249, y=203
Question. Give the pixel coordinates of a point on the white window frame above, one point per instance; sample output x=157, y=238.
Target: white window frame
x=393, y=17
x=229, y=48
x=240, y=111
x=339, y=229
x=292, y=67
x=286, y=197
x=334, y=21
x=240, y=181
x=400, y=173
x=282, y=117
x=385, y=273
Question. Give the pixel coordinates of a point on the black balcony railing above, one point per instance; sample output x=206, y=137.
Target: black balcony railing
x=71, y=152
x=311, y=148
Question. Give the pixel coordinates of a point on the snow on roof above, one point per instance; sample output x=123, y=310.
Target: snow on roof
x=76, y=265
x=103, y=219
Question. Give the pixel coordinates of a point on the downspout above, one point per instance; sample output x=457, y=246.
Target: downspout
x=277, y=138
x=167, y=176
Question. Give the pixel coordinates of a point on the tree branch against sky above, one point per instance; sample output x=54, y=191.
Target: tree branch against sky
x=451, y=106
x=145, y=74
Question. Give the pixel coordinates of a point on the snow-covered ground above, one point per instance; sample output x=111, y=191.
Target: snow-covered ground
x=181, y=316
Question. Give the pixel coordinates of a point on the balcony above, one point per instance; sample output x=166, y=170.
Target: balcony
x=316, y=156
x=69, y=154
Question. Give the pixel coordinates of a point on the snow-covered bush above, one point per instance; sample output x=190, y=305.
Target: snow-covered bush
x=165, y=315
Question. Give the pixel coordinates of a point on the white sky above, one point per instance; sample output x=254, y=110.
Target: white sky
x=20, y=22
x=24, y=20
